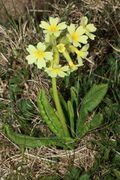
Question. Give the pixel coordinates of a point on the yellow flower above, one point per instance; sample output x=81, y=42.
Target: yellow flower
x=53, y=27
x=73, y=67
x=82, y=53
x=57, y=70
x=76, y=35
x=38, y=55
x=61, y=47
x=89, y=28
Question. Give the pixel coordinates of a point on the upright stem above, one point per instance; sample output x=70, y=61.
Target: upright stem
x=59, y=108
x=55, y=55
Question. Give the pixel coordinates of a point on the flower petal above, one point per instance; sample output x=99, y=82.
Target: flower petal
x=41, y=46
x=84, y=21
x=62, y=26
x=57, y=34
x=83, y=39
x=80, y=62
x=80, y=30
x=48, y=55
x=51, y=74
x=31, y=59
x=54, y=20
x=91, y=28
x=41, y=63
x=71, y=28
x=76, y=44
x=85, y=48
x=82, y=54
x=44, y=25
x=62, y=74
x=69, y=37
x=31, y=49
x=90, y=35
x=65, y=68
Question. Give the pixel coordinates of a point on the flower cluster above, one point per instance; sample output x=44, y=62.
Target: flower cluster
x=60, y=42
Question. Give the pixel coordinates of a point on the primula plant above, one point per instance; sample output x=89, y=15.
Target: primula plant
x=64, y=50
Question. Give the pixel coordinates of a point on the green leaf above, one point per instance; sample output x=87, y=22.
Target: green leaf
x=74, y=173
x=93, y=124
x=106, y=153
x=63, y=102
x=71, y=117
x=94, y=97
x=74, y=98
x=24, y=114
x=85, y=177
x=26, y=108
x=96, y=121
x=32, y=142
x=91, y=100
x=48, y=114
x=117, y=173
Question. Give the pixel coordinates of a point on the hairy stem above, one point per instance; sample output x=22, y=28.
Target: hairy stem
x=59, y=108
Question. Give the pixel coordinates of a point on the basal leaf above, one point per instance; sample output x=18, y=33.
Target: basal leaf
x=71, y=117
x=33, y=142
x=85, y=177
x=91, y=100
x=94, y=97
x=96, y=121
x=74, y=98
x=48, y=114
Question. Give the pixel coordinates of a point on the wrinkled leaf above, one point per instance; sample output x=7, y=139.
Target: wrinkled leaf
x=89, y=103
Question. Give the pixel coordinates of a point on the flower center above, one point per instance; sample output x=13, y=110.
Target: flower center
x=56, y=70
x=39, y=54
x=75, y=36
x=53, y=28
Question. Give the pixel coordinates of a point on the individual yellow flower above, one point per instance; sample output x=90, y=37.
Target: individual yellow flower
x=61, y=47
x=76, y=36
x=38, y=55
x=89, y=28
x=53, y=27
x=82, y=53
x=57, y=70
x=73, y=67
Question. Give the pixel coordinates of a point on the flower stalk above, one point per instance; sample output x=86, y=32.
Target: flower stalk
x=59, y=108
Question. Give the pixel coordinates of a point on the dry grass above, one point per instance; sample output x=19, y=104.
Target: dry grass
x=45, y=161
